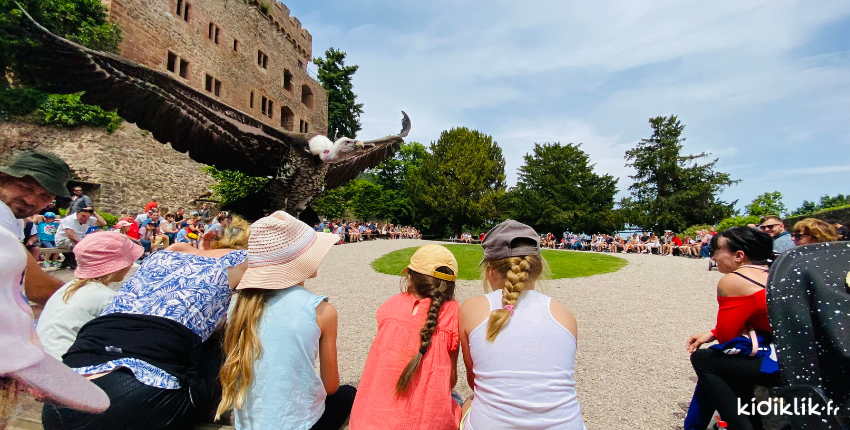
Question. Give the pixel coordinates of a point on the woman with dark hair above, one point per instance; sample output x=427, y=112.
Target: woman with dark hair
x=744, y=355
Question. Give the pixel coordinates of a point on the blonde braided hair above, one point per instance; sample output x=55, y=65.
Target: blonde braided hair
x=520, y=273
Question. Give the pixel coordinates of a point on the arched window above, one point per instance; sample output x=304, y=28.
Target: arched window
x=287, y=80
x=287, y=118
x=307, y=96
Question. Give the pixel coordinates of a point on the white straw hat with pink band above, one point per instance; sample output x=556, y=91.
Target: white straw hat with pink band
x=283, y=251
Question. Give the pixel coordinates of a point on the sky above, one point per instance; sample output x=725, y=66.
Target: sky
x=764, y=86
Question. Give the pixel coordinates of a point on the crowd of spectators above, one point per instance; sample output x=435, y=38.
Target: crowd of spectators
x=357, y=231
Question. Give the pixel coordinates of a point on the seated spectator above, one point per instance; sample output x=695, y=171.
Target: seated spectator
x=215, y=231
x=842, y=230
x=151, y=237
x=183, y=235
x=400, y=392
x=168, y=227
x=140, y=218
x=728, y=371
x=123, y=226
x=72, y=229
x=519, y=345
x=47, y=236
x=205, y=212
x=813, y=230
x=772, y=225
x=274, y=313
x=101, y=259
x=180, y=215
x=133, y=232
x=163, y=356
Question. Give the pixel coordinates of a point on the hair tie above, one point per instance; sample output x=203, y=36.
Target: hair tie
x=422, y=350
x=510, y=308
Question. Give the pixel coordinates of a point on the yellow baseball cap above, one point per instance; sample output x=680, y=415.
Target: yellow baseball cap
x=428, y=258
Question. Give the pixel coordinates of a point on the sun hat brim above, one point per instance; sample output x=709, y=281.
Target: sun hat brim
x=285, y=275
x=103, y=269
x=62, y=385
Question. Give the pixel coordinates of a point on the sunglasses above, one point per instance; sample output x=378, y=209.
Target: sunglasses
x=798, y=236
x=768, y=226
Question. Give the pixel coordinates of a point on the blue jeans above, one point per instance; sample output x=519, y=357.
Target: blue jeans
x=47, y=244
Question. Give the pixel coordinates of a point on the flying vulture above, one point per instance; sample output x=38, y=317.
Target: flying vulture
x=300, y=165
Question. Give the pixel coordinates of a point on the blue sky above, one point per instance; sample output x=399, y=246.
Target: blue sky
x=762, y=85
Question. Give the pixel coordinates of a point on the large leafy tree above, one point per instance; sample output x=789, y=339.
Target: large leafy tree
x=557, y=189
x=343, y=111
x=394, y=176
x=766, y=204
x=673, y=191
x=461, y=181
x=826, y=202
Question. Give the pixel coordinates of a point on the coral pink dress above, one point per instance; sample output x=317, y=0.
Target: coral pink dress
x=428, y=404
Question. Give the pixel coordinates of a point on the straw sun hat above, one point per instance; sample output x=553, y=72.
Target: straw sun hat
x=283, y=251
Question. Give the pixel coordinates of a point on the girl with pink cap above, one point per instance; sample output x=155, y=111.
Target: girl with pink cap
x=102, y=258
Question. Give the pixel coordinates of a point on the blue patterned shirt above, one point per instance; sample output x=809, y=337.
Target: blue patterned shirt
x=190, y=289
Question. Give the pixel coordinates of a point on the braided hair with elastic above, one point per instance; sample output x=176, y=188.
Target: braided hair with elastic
x=439, y=291
x=519, y=273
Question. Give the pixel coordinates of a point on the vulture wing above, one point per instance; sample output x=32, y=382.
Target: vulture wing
x=380, y=150
x=191, y=121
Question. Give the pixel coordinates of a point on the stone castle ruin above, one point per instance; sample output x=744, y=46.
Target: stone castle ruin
x=252, y=55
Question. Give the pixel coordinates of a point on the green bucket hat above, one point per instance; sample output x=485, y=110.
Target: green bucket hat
x=47, y=169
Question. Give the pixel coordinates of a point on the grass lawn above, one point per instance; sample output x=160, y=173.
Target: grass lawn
x=561, y=264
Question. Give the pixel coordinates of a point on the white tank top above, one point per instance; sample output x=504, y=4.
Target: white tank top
x=525, y=378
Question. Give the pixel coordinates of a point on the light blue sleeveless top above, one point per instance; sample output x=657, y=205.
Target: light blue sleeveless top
x=287, y=392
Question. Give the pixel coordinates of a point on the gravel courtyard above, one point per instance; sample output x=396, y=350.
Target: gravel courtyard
x=632, y=368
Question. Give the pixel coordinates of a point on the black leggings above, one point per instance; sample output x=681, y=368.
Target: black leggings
x=727, y=378
x=337, y=409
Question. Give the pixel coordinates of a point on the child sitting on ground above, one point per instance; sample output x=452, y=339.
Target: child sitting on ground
x=101, y=258
x=47, y=236
x=412, y=365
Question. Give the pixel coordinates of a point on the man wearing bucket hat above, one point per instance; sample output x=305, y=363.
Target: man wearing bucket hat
x=23, y=362
x=293, y=326
x=28, y=185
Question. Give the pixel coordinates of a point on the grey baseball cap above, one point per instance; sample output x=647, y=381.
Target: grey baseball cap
x=500, y=242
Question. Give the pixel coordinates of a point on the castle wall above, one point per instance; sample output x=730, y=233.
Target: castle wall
x=121, y=171
x=151, y=29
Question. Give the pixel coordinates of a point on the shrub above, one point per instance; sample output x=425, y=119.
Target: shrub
x=264, y=8
x=737, y=221
x=67, y=110
x=109, y=218
x=19, y=102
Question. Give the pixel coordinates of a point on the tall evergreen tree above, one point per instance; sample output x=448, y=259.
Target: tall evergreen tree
x=673, y=191
x=461, y=181
x=343, y=111
x=557, y=189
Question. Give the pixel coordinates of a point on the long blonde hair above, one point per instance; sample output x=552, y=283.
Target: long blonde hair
x=79, y=283
x=242, y=345
x=234, y=236
x=519, y=273
x=439, y=291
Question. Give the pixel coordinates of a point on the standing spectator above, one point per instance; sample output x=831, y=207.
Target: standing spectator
x=772, y=225
x=78, y=201
x=205, y=212
x=154, y=203
x=47, y=236
x=842, y=230
x=51, y=207
x=812, y=230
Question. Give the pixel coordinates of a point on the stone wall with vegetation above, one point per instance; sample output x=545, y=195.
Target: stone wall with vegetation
x=121, y=170
x=842, y=215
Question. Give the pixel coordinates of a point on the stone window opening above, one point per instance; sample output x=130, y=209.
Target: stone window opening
x=251, y=100
x=270, y=109
x=171, y=63
x=267, y=107
x=307, y=96
x=263, y=102
x=213, y=85
x=184, y=69
x=287, y=118
x=303, y=127
x=300, y=64
x=235, y=45
x=287, y=80
x=180, y=8
x=185, y=15
x=262, y=60
x=213, y=33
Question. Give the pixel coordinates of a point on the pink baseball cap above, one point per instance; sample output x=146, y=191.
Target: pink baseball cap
x=122, y=223
x=23, y=357
x=102, y=253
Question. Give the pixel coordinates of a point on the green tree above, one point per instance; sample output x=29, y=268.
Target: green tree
x=233, y=185
x=394, y=176
x=82, y=21
x=738, y=221
x=343, y=111
x=766, y=204
x=557, y=189
x=672, y=191
x=461, y=181
x=827, y=202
